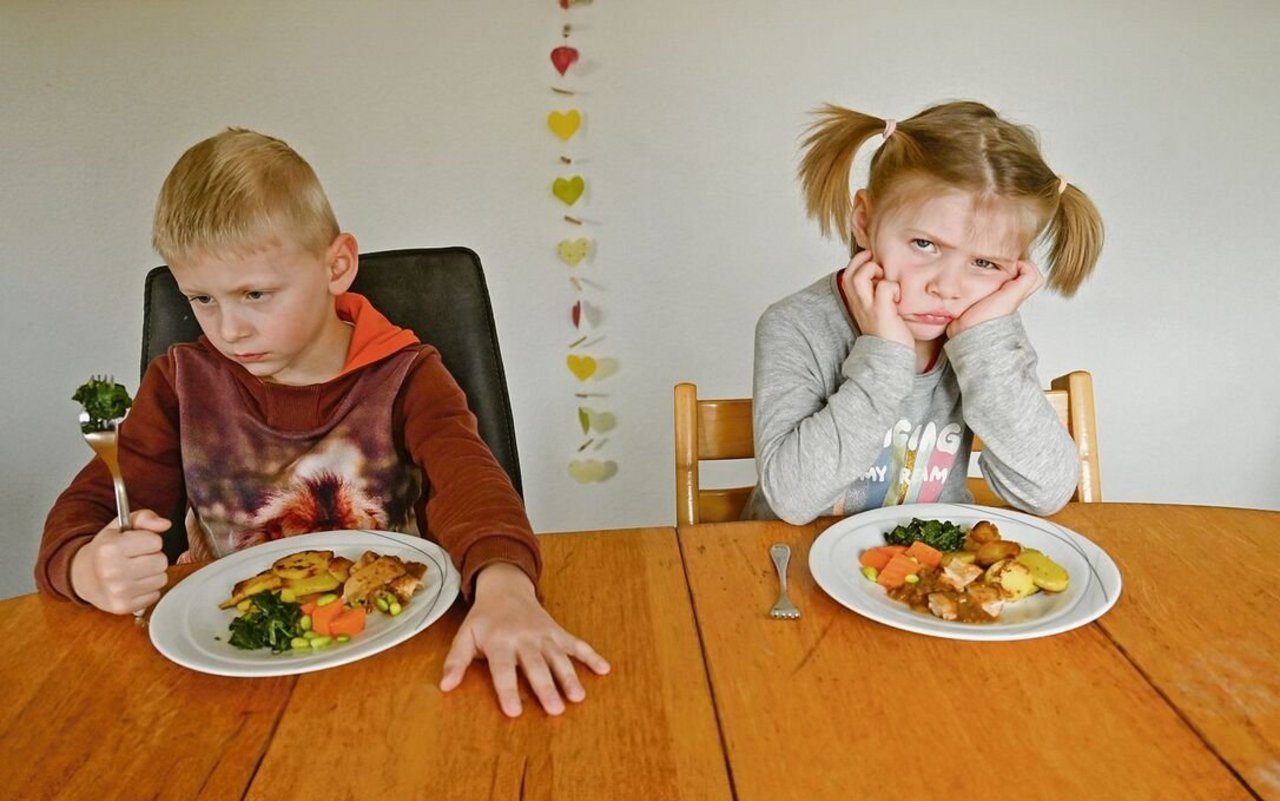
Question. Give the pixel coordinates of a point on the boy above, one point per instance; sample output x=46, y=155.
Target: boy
x=301, y=409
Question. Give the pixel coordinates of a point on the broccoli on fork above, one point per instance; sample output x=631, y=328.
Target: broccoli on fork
x=104, y=401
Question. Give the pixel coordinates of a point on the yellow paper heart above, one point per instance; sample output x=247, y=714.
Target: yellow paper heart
x=602, y=422
x=573, y=251
x=589, y=470
x=564, y=124
x=605, y=368
x=581, y=366
x=569, y=189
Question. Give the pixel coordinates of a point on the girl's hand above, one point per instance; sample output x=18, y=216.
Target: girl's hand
x=1005, y=300
x=508, y=627
x=873, y=300
x=121, y=571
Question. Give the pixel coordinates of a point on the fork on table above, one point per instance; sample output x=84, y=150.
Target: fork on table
x=783, y=609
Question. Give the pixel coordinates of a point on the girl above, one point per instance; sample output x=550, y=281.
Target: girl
x=870, y=383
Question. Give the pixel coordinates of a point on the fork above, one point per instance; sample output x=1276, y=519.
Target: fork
x=783, y=609
x=106, y=444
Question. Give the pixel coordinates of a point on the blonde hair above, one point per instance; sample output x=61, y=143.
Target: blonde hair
x=237, y=191
x=960, y=145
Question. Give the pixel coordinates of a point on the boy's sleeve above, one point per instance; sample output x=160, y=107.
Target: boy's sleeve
x=472, y=508
x=151, y=463
x=810, y=446
x=1029, y=459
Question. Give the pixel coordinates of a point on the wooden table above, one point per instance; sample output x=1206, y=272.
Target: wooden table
x=90, y=710
x=1174, y=694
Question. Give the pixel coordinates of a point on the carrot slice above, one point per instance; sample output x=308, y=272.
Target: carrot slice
x=350, y=622
x=895, y=573
x=879, y=557
x=322, y=618
x=925, y=554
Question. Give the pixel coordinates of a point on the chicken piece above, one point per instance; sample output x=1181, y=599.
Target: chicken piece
x=957, y=574
x=943, y=605
x=403, y=587
x=987, y=598
x=364, y=583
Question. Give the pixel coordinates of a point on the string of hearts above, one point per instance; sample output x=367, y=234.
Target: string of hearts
x=585, y=315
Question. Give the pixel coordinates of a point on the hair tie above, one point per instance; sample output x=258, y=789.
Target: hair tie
x=1062, y=184
x=889, y=127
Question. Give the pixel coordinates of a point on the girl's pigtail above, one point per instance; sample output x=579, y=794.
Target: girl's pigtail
x=832, y=142
x=1076, y=235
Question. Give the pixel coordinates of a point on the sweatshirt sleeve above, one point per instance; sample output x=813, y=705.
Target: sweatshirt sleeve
x=472, y=509
x=151, y=463
x=810, y=446
x=1029, y=459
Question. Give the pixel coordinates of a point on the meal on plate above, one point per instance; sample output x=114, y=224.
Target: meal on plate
x=310, y=599
x=938, y=568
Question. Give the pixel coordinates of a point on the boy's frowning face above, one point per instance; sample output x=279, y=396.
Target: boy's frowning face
x=272, y=311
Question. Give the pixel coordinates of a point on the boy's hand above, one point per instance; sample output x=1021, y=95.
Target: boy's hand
x=873, y=301
x=122, y=571
x=1005, y=300
x=508, y=627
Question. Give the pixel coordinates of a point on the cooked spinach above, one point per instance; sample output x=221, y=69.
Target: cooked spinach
x=941, y=534
x=269, y=623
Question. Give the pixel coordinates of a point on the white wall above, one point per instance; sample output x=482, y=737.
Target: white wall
x=426, y=123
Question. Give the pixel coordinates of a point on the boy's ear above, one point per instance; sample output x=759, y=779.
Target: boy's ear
x=860, y=219
x=343, y=260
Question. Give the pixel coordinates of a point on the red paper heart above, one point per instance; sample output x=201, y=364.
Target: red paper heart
x=563, y=57
x=577, y=314
x=564, y=4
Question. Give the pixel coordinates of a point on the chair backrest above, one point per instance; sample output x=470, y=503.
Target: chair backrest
x=708, y=430
x=438, y=293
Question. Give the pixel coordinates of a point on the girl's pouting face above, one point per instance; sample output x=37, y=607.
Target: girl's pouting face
x=946, y=251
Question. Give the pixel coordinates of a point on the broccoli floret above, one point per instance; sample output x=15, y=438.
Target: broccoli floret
x=103, y=401
x=941, y=534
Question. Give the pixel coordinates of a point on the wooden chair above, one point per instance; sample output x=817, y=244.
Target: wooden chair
x=722, y=429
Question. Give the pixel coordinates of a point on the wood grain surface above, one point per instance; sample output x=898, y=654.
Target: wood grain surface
x=837, y=706
x=1200, y=618
x=380, y=728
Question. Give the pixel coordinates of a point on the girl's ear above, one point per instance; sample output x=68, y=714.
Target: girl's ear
x=344, y=262
x=860, y=219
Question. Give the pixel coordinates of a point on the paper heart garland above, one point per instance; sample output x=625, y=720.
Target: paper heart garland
x=585, y=312
x=569, y=190
x=584, y=367
x=563, y=57
x=588, y=470
x=573, y=251
x=602, y=422
x=564, y=124
x=566, y=3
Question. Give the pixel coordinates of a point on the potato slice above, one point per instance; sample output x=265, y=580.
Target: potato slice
x=310, y=585
x=263, y=582
x=996, y=550
x=1013, y=577
x=303, y=564
x=340, y=567
x=1046, y=573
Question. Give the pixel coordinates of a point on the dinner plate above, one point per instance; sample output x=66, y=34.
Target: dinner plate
x=1094, y=588
x=188, y=627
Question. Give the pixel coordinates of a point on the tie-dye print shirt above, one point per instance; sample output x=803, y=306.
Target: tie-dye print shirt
x=387, y=444
x=843, y=423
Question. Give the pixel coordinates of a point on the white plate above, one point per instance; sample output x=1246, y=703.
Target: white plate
x=1094, y=588
x=188, y=627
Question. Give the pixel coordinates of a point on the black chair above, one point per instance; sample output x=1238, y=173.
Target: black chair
x=438, y=293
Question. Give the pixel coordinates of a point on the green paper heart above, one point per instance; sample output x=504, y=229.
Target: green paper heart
x=568, y=190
